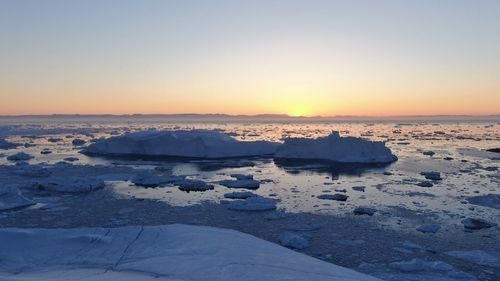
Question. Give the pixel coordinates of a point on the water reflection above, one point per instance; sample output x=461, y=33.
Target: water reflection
x=333, y=169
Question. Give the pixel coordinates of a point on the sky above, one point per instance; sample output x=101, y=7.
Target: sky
x=309, y=57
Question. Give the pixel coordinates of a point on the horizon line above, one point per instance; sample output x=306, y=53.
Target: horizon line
x=277, y=115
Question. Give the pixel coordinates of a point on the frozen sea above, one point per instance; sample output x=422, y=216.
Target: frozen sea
x=418, y=221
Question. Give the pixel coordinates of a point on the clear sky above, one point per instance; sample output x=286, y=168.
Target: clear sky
x=306, y=57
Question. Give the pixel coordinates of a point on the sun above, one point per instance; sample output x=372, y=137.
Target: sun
x=297, y=110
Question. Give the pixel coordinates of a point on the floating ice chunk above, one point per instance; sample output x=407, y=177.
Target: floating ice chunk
x=435, y=176
x=416, y=270
x=294, y=241
x=303, y=227
x=416, y=265
x=275, y=215
x=239, y=195
x=54, y=139
x=495, y=150
x=7, y=144
x=194, y=185
x=428, y=153
x=429, y=228
x=336, y=197
x=78, y=142
x=472, y=223
x=72, y=185
x=425, y=184
x=349, y=242
x=194, y=144
x=71, y=159
x=253, y=204
x=477, y=257
x=335, y=148
x=20, y=156
x=242, y=177
x=244, y=183
x=11, y=198
x=359, y=188
x=170, y=252
x=364, y=211
x=488, y=200
x=46, y=151
x=149, y=179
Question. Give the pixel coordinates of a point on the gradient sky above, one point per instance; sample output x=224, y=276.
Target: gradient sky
x=246, y=57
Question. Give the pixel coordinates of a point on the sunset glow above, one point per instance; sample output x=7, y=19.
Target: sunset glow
x=299, y=58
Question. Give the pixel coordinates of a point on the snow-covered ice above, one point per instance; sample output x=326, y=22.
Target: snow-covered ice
x=335, y=148
x=168, y=252
x=11, y=198
x=193, y=143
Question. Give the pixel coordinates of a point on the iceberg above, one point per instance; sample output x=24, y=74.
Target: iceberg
x=336, y=149
x=164, y=252
x=181, y=143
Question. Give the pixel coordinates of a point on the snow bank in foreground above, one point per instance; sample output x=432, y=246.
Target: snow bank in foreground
x=194, y=143
x=171, y=252
x=336, y=148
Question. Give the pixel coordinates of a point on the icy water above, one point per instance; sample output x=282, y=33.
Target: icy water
x=403, y=197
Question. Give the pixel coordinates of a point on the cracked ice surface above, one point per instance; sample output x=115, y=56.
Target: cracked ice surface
x=168, y=252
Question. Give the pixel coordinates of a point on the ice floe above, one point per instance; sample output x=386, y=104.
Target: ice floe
x=63, y=177
x=20, y=156
x=364, y=211
x=473, y=223
x=193, y=143
x=239, y=195
x=435, y=176
x=72, y=185
x=416, y=270
x=477, y=257
x=150, y=179
x=169, y=252
x=7, y=144
x=294, y=241
x=11, y=198
x=240, y=183
x=336, y=197
x=335, y=148
x=78, y=142
x=488, y=200
x=193, y=185
x=429, y=228
x=253, y=204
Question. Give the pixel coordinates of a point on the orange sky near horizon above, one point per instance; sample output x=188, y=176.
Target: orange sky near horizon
x=308, y=58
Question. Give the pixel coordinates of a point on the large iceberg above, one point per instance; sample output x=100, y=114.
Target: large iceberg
x=336, y=148
x=169, y=252
x=181, y=143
